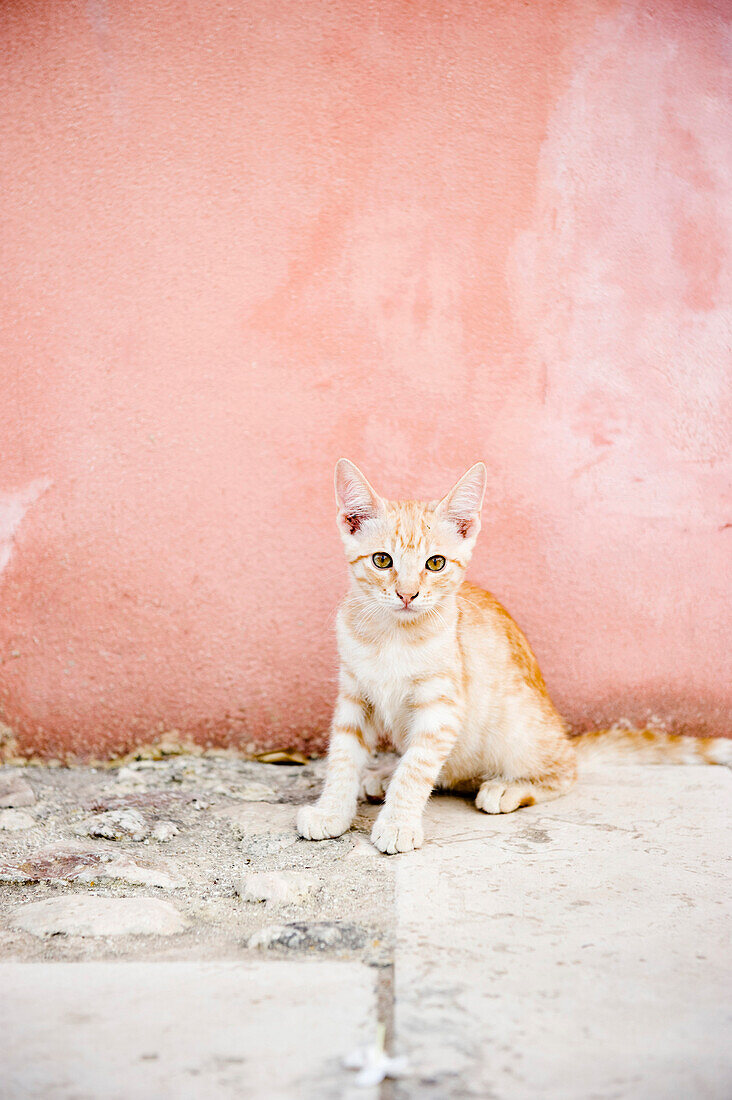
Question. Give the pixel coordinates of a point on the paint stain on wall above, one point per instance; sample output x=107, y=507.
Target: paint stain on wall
x=13, y=508
x=623, y=283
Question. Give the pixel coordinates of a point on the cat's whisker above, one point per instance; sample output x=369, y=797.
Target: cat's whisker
x=465, y=599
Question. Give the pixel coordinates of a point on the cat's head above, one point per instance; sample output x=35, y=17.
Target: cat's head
x=406, y=557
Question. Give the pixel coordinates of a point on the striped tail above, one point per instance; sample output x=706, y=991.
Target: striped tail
x=630, y=746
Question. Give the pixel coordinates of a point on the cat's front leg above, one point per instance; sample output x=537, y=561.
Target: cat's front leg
x=434, y=730
x=335, y=810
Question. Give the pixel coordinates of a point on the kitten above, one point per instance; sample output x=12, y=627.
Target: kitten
x=439, y=667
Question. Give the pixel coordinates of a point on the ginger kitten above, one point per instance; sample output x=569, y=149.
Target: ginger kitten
x=438, y=667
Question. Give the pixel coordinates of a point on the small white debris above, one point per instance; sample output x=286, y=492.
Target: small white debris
x=15, y=791
x=116, y=825
x=374, y=1065
x=12, y=821
x=276, y=887
x=163, y=831
x=93, y=916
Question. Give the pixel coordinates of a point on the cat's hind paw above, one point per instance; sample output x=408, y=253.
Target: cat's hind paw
x=503, y=798
x=391, y=837
x=373, y=786
x=316, y=823
x=376, y=780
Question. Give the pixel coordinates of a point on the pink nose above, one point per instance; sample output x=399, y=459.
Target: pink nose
x=407, y=599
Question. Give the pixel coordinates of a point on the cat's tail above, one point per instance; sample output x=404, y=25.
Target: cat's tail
x=618, y=745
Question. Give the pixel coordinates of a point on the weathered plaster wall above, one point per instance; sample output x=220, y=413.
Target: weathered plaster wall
x=240, y=240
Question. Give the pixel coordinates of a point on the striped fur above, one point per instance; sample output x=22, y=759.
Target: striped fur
x=447, y=678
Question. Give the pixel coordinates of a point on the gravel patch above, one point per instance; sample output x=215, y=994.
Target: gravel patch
x=186, y=826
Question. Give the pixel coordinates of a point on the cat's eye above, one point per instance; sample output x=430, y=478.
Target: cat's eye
x=435, y=563
x=381, y=560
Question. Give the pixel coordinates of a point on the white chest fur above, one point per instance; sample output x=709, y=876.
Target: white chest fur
x=386, y=674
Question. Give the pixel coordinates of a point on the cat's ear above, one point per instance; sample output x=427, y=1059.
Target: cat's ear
x=357, y=500
x=462, y=504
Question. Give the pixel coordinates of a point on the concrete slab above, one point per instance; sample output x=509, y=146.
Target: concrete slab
x=578, y=950
x=183, y=1031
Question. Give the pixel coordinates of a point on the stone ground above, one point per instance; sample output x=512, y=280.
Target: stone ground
x=164, y=933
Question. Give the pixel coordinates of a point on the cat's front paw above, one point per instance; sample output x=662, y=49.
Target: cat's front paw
x=318, y=823
x=392, y=835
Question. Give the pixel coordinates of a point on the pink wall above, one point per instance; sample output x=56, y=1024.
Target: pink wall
x=240, y=240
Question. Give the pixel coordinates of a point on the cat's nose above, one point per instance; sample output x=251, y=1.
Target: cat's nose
x=406, y=600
